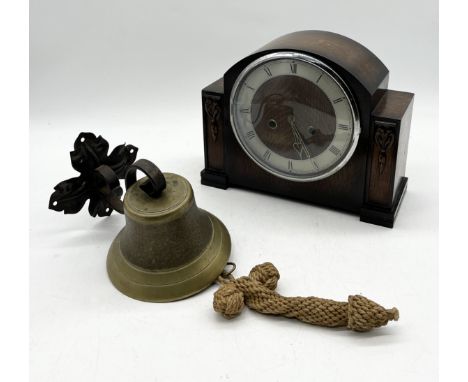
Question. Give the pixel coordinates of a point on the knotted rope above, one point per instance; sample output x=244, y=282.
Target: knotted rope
x=257, y=291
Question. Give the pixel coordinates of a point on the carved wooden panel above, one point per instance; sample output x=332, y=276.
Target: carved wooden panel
x=382, y=156
x=213, y=131
x=213, y=112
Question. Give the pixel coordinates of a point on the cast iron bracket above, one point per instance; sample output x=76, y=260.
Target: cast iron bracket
x=98, y=180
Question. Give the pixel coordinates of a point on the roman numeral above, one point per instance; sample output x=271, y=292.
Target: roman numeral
x=267, y=155
x=245, y=110
x=343, y=127
x=290, y=166
x=335, y=150
x=318, y=79
x=267, y=71
x=316, y=165
x=338, y=100
x=250, y=134
x=293, y=67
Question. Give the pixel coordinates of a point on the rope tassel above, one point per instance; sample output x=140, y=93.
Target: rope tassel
x=257, y=291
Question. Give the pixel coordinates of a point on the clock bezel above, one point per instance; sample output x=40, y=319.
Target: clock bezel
x=330, y=72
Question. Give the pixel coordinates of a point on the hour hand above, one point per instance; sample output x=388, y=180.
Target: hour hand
x=298, y=145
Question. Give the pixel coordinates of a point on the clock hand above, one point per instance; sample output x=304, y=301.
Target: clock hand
x=298, y=144
x=298, y=141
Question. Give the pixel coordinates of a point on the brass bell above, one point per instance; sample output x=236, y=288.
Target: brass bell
x=169, y=248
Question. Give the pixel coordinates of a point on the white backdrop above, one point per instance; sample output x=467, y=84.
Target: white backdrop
x=133, y=71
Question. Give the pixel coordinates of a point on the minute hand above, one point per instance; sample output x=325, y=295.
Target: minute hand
x=298, y=144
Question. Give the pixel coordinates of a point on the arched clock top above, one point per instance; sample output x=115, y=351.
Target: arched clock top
x=355, y=58
x=352, y=60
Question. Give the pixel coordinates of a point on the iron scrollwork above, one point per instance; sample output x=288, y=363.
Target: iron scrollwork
x=98, y=180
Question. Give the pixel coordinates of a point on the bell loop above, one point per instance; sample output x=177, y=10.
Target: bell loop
x=156, y=181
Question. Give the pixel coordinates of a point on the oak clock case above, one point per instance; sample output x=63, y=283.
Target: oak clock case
x=309, y=116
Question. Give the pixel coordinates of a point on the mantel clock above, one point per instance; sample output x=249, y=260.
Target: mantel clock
x=309, y=116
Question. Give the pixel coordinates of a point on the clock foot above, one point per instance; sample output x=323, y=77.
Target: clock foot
x=385, y=216
x=214, y=179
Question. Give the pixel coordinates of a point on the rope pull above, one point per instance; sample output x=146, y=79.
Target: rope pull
x=257, y=291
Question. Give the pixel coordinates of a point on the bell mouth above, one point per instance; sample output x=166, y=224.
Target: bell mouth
x=174, y=283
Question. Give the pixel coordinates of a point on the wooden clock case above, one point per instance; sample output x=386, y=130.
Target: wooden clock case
x=372, y=184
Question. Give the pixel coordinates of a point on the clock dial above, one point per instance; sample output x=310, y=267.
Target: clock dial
x=294, y=116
